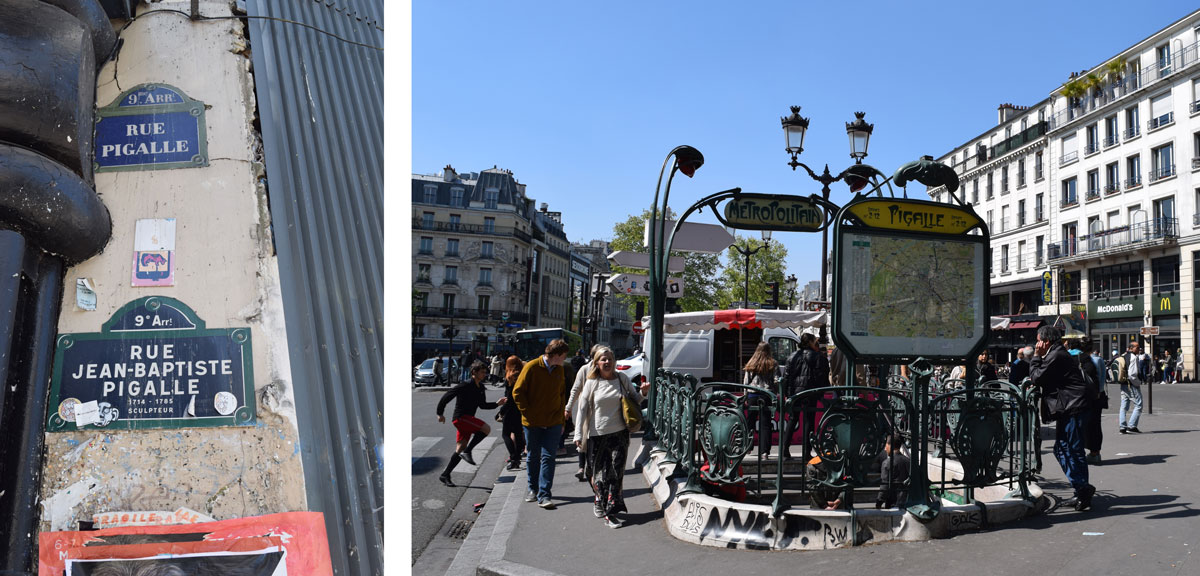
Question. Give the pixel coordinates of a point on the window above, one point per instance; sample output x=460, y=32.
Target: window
x=1024, y=124
x=1070, y=195
x=1068, y=286
x=455, y=220
x=991, y=227
x=452, y=247
x=990, y=193
x=451, y=275
x=487, y=250
x=1161, y=113
x=1092, y=134
x=1070, y=236
x=1093, y=184
x=485, y=276
x=1005, y=223
x=1020, y=213
x=491, y=199
x=1007, y=132
x=1162, y=161
x=1094, y=233
x=1164, y=216
x=1112, y=178
x=448, y=303
x=1195, y=107
x=421, y=300
x=1039, y=254
x=1112, y=134
x=456, y=196
x=1133, y=171
x=991, y=260
x=1132, y=127
x=431, y=193
x=418, y=330
x=1004, y=259
x=1196, y=150
x=423, y=272
x=1037, y=166
x=489, y=225
x=426, y=245
x=1162, y=55
x=427, y=220
x=1039, y=213
x=1021, y=173
x=975, y=191
x=1116, y=281
x=1021, y=256
x=1165, y=274
x=484, y=303
x=1069, y=150
x=1004, y=180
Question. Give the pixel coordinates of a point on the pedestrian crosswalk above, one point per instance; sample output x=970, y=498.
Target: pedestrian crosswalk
x=424, y=447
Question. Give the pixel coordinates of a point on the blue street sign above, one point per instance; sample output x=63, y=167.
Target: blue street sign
x=151, y=127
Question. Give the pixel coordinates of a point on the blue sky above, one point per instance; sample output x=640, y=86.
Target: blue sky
x=582, y=101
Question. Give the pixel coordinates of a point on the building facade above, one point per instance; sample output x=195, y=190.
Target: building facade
x=613, y=324
x=473, y=258
x=1091, y=211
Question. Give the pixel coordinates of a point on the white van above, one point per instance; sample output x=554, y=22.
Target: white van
x=714, y=345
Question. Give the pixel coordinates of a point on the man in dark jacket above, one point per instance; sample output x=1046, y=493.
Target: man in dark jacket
x=1064, y=392
x=1020, y=366
x=807, y=368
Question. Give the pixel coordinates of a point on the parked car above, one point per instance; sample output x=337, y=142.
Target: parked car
x=423, y=373
x=632, y=367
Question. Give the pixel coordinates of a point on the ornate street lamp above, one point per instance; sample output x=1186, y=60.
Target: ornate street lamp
x=747, y=253
x=857, y=176
x=790, y=283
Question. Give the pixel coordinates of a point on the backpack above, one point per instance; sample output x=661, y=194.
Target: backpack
x=1090, y=383
x=1119, y=369
x=1133, y=369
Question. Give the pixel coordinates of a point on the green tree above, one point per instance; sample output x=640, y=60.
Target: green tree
x=766, y=265
x=700, y=270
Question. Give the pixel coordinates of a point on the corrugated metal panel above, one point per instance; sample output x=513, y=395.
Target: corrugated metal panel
x=321, y=106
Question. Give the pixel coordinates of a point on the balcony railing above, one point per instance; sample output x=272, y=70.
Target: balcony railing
x=452, y=281
x=1111, y=140
x=1037, y=173
x=425, y=251
x=1115, y=238
x=1093, y=194
x=1161, y=172
x=1196, y=219
x=1196, y=163
x=1132, y=132
x=1112, y=188
x=491, y=314
x=460, y=228
x=1129, y=83
x=1194, y=107
x=1091, y=148
x=1133, y=182
x=1068, y=158
x=1069, y=201
x=1160, y=121
x=485, y=283
x=1039, y=216
x=423, y=279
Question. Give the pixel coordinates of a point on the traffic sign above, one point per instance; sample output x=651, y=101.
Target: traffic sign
x=642, y=261
x=694, y=237
x=1150, y=330
x=637, y=327
x=639, y=285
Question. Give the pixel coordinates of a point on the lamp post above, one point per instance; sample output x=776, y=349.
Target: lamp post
x=746, y=252
x=857, y=175
x=790, y=283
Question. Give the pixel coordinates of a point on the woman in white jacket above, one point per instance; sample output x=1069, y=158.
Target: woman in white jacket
x=600, y=429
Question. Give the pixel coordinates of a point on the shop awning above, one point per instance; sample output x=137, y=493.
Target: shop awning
x=1025, y=325
x=740, y=318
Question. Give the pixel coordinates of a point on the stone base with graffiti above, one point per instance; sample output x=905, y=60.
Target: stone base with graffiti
x=703, y=519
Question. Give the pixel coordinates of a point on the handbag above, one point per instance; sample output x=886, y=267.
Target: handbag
x=630, y=410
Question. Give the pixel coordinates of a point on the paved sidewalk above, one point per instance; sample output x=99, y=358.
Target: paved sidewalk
x=1145, y=519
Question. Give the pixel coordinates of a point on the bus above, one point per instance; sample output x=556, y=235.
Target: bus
x=532, y=343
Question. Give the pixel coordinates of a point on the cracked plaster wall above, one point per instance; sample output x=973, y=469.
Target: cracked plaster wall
x=225, y=270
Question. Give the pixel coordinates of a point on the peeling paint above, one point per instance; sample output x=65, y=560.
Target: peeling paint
x=58, y=508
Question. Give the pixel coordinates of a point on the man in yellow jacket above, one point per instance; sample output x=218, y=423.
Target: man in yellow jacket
x=541, y=396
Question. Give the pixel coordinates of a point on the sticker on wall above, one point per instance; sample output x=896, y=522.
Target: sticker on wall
x=154, y=252
x=85, y=295
x=154, y=364
x=151, y=127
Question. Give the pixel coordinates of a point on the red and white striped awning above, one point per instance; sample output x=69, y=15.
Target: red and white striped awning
x=740, y=318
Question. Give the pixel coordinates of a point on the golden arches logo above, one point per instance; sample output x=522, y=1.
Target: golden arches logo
x=1164, y=303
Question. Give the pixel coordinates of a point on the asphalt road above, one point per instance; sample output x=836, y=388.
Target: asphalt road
x=432, y=445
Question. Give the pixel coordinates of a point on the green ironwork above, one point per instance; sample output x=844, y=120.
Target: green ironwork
x=704, y=430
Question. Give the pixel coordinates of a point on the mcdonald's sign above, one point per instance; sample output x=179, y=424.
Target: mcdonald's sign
x=1165, y=304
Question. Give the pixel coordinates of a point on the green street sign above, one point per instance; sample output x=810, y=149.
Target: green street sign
x=154, y=364
x=774, y=212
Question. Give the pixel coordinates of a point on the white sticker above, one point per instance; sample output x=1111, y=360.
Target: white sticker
x=225, y=403
x=87, y=413
x=85, y=296
x=154, y=234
